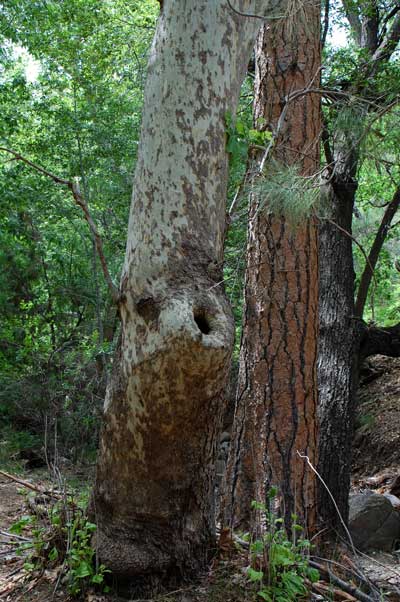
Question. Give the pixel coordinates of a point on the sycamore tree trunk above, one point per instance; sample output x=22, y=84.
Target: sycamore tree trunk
x=154, y=491
x=275, y=414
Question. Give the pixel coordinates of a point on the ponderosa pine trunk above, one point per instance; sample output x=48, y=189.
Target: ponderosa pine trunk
x=275, y=415
x=154, y=492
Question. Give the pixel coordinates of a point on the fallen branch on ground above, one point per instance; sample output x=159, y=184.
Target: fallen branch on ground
x=13, y=536
x=346, y=587
x=30, y=486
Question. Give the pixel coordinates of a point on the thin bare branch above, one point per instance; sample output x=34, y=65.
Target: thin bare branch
x=44, y=172
x=359, y=245
x=375, y=250
x=28, y=486
x=385, y=22
x=387, y=47
x=353, y=19
x=73, y=186
x=330, y=162
x=315, y=471
x=326, y=23
x=79, y=200
x=343, y=585
x=288, y=99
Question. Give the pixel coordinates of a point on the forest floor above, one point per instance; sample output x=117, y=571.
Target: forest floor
x=376, y=466
x=377, y=439
x=15, y=582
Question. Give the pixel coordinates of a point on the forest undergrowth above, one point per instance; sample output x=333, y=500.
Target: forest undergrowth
x=45, y=534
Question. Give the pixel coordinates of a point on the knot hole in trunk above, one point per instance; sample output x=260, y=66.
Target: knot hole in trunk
x=202, y=320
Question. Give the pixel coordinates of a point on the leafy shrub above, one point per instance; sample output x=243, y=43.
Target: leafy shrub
x=280, y=566
x=63, y=538
x=12, y=443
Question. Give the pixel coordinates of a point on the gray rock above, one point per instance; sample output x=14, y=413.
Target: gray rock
x=373, y=522
x=393, y=499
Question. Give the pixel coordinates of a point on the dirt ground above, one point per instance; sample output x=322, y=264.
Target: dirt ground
x=377, y=438
x=16, y=585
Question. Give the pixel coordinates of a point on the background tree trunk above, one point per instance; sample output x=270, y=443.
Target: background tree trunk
x=277, y=389
x=336, y=359
x=154, y=489
x=340, y=334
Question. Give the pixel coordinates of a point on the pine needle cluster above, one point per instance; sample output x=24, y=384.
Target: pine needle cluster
x=285, y=192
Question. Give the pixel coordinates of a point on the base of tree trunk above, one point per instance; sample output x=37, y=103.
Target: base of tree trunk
x=147, y=559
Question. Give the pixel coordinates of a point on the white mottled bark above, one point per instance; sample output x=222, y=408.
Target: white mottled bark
x=153, y=496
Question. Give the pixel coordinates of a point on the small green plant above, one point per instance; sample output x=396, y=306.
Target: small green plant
x=279, y=566
x=81, y=557
x=62, y=538
x=366, y=421
x=240, y=136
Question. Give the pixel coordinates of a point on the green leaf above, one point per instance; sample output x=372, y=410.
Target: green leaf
x=265, y=595
x=282, y=555
x=236, y=147
x=272, y=493
x=312, y=574
x=228, y=120
x=240, y=128
x=293, y=582
x=257, y=547
x=53, y=554
x=18, y=526
x=254, y=575
x=258, y=506
x=83, y=570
